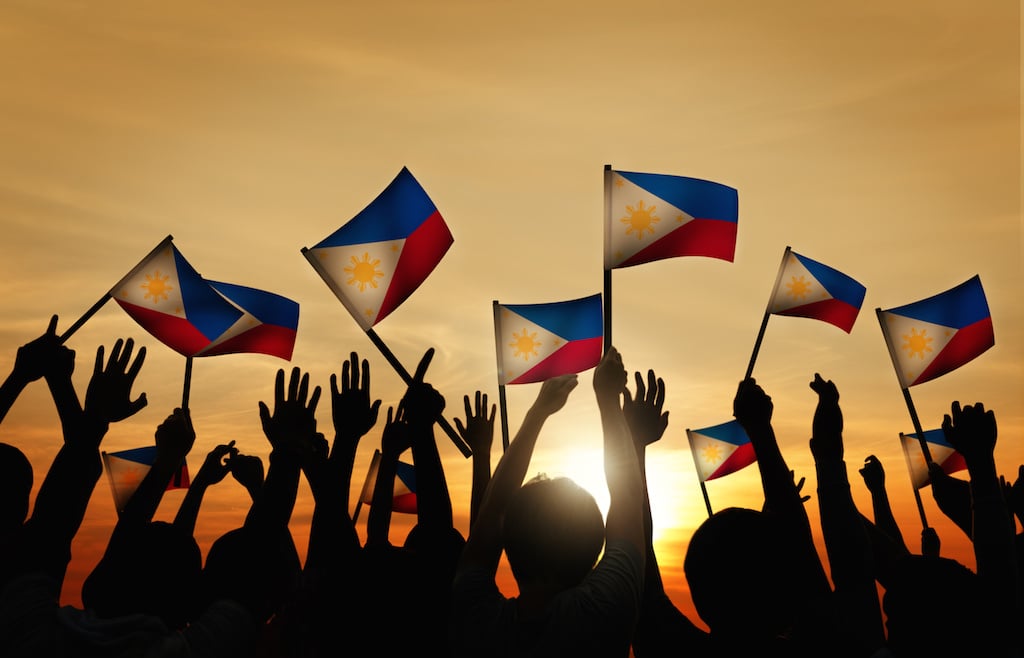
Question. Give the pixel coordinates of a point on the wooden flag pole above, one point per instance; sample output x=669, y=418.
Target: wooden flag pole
x=407, y=378
x=188, y=383
x=374, y=461
x=607, y=271
x=696, y=466
x=707, y=502
x=917, y=492
x=767, y=314
x=503, y=405
x=85, y=317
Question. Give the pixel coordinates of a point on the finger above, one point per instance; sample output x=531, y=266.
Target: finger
x=293, y=384
x=465, y=402
x=314, y=399
x=494, y=409
x=98, y=367
x=480, y=403
x=354, y=370
x=334, y=385
x=374, y=409
x=652, y=384
x=659, y=398
x=303, y=388
x=51, y=329
x=126, y=355
x=346, y=373
x=391, y=415
x=424, y=363
x=957, y=411
x=640, y=390
x=137, y=405
x=366, y=376
x=264, y=413
x=115, y=353
x=460, y=427
x=279, y=387
x=136, y=366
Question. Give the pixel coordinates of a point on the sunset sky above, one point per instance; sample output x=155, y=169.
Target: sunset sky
x=882, y=139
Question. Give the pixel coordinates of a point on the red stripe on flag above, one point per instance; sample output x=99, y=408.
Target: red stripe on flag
x=713, y=238
x=575, y=356
x=177, y=333
x=967, y=344
x=740, y=458
x=269, y=339
x=423, y=250
x=404, y=503
x=833, y=311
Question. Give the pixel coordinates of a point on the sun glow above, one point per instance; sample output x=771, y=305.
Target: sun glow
x=798, y=287
x=363, y=272
x=525, y=344
x=917, y=343
x=156, y=286
x=640, y=219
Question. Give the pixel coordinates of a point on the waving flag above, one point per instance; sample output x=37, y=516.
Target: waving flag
x=941, y=451
x=536, y=342
x=654, y=216
x=720, y=450
x=404, y=497
x=809, y=289
x=377, y=259
x=268, y=323
x=929, y=338
x=165, y=295
x=127, y=468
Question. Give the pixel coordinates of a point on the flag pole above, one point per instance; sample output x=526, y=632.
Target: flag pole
x=375, y=460
x=188, y=383
x=917, y=492
x=407, y=378
x=767, y=314
x=607, y=271
x=906, y=390
x=502, y=402
x=707, y=502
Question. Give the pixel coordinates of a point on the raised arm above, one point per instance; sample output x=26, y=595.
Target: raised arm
x=874, y=479
x=394, y=441
x=478, y=433
x=846, y=541
x=214, y=469
x=483, y=546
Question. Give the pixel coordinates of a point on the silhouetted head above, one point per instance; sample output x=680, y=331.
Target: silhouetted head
x=553, y=532
x=740, y=567
x=256, y=569
x=15, y=488
x=934, y=607
x=152, y=569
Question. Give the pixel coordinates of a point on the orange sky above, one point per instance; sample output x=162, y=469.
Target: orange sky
x=882, y=139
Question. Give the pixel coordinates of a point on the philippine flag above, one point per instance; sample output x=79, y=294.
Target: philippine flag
x=720, y=450
x=809, y=289
x=165, y=295
x=941, y=451
x=404, y=496
x=268, y=324
x=929, y=338
x=654, y=216
x=536, y=342
x=126, y=469
x=379, y=258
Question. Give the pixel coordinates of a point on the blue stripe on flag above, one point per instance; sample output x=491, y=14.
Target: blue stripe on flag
x=267, y=307
x=957, y=307
x=839, y=285
x=730, y=432
x=396, y=212
x=575, y=319
x=145, y=455
x=204, y=308
x=938, y=437
x=699, y=198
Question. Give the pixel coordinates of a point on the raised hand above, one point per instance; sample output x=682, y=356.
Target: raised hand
x=873, y=474
x=44, y=356
x=554, y=392
x=827, y=428
x=247, y=471
x=930, y=543
x=353, y=413
x=751, y=406
x=292, y=425
x=610, y=376
x=216, y=465
x=1014, y=494
x=422, y=404
x=396, y=438
x=108, y=398
x=174, y=437
x=971, y=430
x=647, y=422
x=478, y=432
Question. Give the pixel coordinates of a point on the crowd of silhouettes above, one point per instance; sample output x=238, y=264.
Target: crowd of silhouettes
x=589, y=584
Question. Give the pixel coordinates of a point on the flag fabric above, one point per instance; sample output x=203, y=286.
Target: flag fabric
x=377, y=259
x=536, y=342
x=268, y=324
x=404, y=496
x=169, y=299
x=126, y=469
x=934, y=336
x=808, y=289
x=941, y=451
x=720, y=450
x=654, y=216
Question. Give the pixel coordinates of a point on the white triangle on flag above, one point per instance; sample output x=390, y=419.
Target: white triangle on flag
x=523, y=344
x=154, y=285
x=709, y=453
x=360, y=275
x=914, y=344
x=796, y=287
x=636, y=219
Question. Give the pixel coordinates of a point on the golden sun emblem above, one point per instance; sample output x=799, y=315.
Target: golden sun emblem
x=156, y=286
x=363, y=272
x=525, y=344
x=711, y=454
x=917, y=343
x=798, y=287
x=640, y=219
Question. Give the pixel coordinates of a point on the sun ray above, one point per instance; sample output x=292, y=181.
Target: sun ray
x=156, y=286
x=917, y=343
x=525, y=344
x=363, y=272
x=640, y=219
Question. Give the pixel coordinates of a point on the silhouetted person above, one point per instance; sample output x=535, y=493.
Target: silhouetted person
x=478, y=433
x=552, y=533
